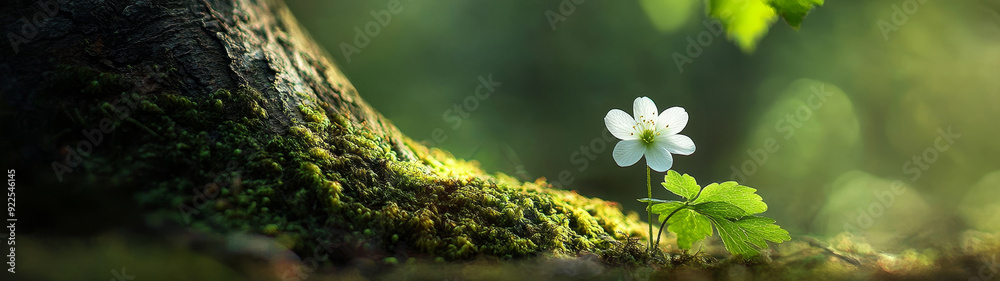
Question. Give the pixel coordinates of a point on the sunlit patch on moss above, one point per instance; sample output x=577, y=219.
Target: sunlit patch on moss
x=314, y=115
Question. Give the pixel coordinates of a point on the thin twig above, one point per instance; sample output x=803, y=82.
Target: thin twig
x=815, y=243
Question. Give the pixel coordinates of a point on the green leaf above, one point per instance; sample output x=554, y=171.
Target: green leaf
x=730, y=192
x=690, y=226
x=733, y=237
x=761, y=228
x=794, y=10
x=664, y=209
x=728, y=207
x=684, y=186
x=720, y=209
x=747, y=21
x=745, y=236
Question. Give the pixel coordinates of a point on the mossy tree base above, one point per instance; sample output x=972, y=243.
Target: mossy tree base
x=224, y=116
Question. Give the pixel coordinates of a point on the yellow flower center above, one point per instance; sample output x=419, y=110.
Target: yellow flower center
x=647, y=136
x=647, y=130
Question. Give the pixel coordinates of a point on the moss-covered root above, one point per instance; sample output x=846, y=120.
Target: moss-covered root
x=327, y=181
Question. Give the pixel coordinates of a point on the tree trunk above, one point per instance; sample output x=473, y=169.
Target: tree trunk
x=224, y=116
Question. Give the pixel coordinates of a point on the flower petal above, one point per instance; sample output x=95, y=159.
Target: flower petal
x=672, y=121
x=644, y=108
x=627, y=152
x=620, y=124
x=658, y=158
x=676, y=144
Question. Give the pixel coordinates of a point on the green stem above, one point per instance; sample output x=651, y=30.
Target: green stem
x=658, y=233
x=649, y=209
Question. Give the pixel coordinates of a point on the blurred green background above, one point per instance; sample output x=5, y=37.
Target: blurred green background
x=832, y=114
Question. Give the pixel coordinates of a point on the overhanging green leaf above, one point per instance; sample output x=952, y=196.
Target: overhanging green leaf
x=746, y=21
x=793, y=11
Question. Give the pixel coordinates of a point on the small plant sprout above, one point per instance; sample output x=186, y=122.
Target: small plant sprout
x=729, y=207
x=650, y=134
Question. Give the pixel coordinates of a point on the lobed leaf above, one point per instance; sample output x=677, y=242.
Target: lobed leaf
x=664, y=209
x=684, y=186
x=761, y=228
x=733, y=237
x=730, y=192
x=690, y=226
x=744, y=237
x=720, y=209
x=728, y=207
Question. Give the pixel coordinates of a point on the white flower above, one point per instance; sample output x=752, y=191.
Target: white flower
x=646, y=133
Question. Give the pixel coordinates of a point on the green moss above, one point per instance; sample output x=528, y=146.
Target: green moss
x=303, y=134
x=221, y=94
x=176, y=101
x=151, y=107
x=248, y=100
x=321, y=154
x=329, y=181
x=314, y=115
x=69, y=79
x=218, y=106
